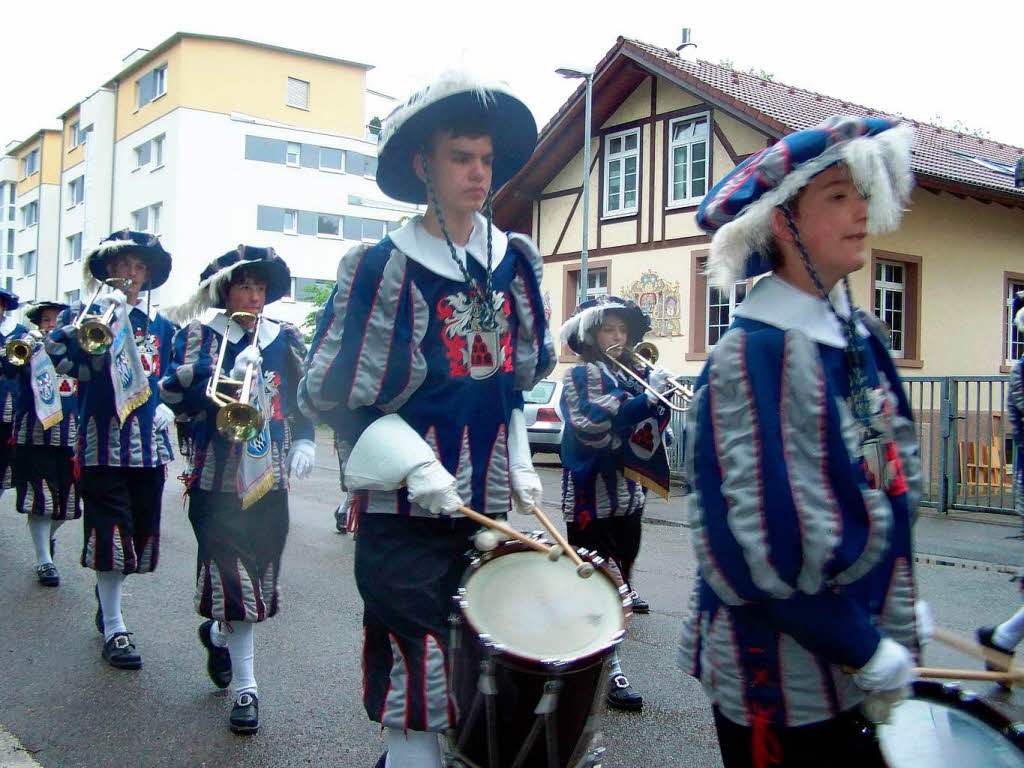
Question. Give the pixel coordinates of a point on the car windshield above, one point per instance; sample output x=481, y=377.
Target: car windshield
x=540, y=393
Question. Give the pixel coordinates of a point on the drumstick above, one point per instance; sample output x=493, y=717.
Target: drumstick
x=512, y=533
x=969, y=674
x=995, y=658
x=584, y=570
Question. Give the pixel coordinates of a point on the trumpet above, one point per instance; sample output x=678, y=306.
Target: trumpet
x=19, y=351
x=238, y=420
x=645, y=355
x=94, y=334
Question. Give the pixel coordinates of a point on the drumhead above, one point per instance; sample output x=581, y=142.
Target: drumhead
x=942, y=726
x=541, y=610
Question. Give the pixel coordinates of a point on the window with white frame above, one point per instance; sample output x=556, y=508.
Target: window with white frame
x=29, y=214
x=10, y=249
x=73, y=247
x=154, y=217
x=621, y=172
x=719, y=311
x=597, y=283
x=76, y=191
x=297, y=93
x=71, y=297
x=1014, y=338
x=890, y=301
x=303, y=287
x=143, y=153
x=30, y=163
x=28, y=263
x=74, y=135
x=151, y=85
x=688, y=159
x=158, y=151
x=10, y=261
x=293, y=153
x=160, y=81
x=10, y=202
x=328, y=224
x=9, y=283
x=291, y=222
x=140, y=220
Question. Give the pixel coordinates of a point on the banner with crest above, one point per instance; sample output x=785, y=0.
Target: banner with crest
x=49, y=410
x=131, y=385
x=255, y=469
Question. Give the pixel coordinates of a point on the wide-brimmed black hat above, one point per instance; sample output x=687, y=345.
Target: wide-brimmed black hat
x=214, y=279
x=35, y=311
x=9, y=299
x=125, y=241
x=455, y=97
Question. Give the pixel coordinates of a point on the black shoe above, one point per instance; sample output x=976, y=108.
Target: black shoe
x=218, y=660
x=99, y=611
x=341, y=520
x=382, y=761
x=639, y=604
x=120, y=652
x=622, y=696
x=984, y=635
x=47, y=575
x=245, y=715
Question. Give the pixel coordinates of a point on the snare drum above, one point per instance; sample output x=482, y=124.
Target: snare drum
x=528, y=653
x=943, y=726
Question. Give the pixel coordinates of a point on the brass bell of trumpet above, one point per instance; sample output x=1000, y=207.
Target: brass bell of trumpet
x=238, y=420
x=19, y=351
x=94, y=334
x=644, y=355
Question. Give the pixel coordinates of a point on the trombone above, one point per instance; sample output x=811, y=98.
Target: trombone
x=94, y=334
x=19, y=351
x=646, y=355
x=238, y=420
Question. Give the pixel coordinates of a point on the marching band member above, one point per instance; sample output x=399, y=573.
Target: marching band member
x=10, y=328
x=45, y=432
x=124, y=442
x=429, y=340
x=1005, y=637
x=802, y=459
x=613, y=445
x=238, y=491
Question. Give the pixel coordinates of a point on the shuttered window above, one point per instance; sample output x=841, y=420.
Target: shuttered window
x=297, y=93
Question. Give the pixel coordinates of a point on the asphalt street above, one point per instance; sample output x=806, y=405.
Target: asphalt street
x=61, y=706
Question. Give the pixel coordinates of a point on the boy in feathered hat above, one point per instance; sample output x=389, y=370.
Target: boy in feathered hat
x=1005, y=637
x=45, y=430
x=238, y=490
x=10, y=328
x=802, y=460
x=428, y=342
x=613, y=446
x=124, y=442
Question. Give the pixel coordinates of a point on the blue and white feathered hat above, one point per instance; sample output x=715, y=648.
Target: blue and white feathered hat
x=217, y=275
x=578, y=331
x=1018, y=311
x=9, y=299
x=737, y=211
x=455, y=96
x=96, y=266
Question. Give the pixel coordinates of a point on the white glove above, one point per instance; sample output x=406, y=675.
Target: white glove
x=163, y=417
x=250, y=354
x=301, y=458
x=116, y=296
x=432, y=487
x=658, y=380
x=891, y=668
x=527, y=491
x=925, y=622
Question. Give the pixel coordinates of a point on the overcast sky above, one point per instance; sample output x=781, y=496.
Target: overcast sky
x=960, y=62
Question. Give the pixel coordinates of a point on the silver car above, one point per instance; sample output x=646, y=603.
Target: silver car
x=544, y=423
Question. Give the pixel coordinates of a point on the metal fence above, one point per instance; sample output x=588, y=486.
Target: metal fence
x=966, y=444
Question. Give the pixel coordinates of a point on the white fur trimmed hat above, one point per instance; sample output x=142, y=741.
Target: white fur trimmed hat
x=578, y=331
x=737, y=211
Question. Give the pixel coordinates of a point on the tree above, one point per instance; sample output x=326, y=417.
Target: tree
x=316, y=295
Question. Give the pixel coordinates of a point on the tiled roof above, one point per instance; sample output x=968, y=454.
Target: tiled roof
x=939, y=153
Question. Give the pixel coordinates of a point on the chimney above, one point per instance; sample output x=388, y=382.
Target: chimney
x=685, y=42
x=1018, y=174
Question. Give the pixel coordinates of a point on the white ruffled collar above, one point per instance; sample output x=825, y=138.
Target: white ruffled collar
x=418, y=244
x=153, y=310
x=8, y=324
x=219, y=321
x=775, y=302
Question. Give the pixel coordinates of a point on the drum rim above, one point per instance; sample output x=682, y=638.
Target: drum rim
x=968, y=701
x=561, y=663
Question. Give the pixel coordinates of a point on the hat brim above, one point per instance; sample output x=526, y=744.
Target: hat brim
x=158, y=261
x=276, y=272
x=509, y=122
x=10, y=301
x=577, y=335
x=34, y=312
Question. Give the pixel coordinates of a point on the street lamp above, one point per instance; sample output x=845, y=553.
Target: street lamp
x=588, y=75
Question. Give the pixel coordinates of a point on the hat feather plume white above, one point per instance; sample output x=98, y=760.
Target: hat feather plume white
x=582, y=323
x=879, y=166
